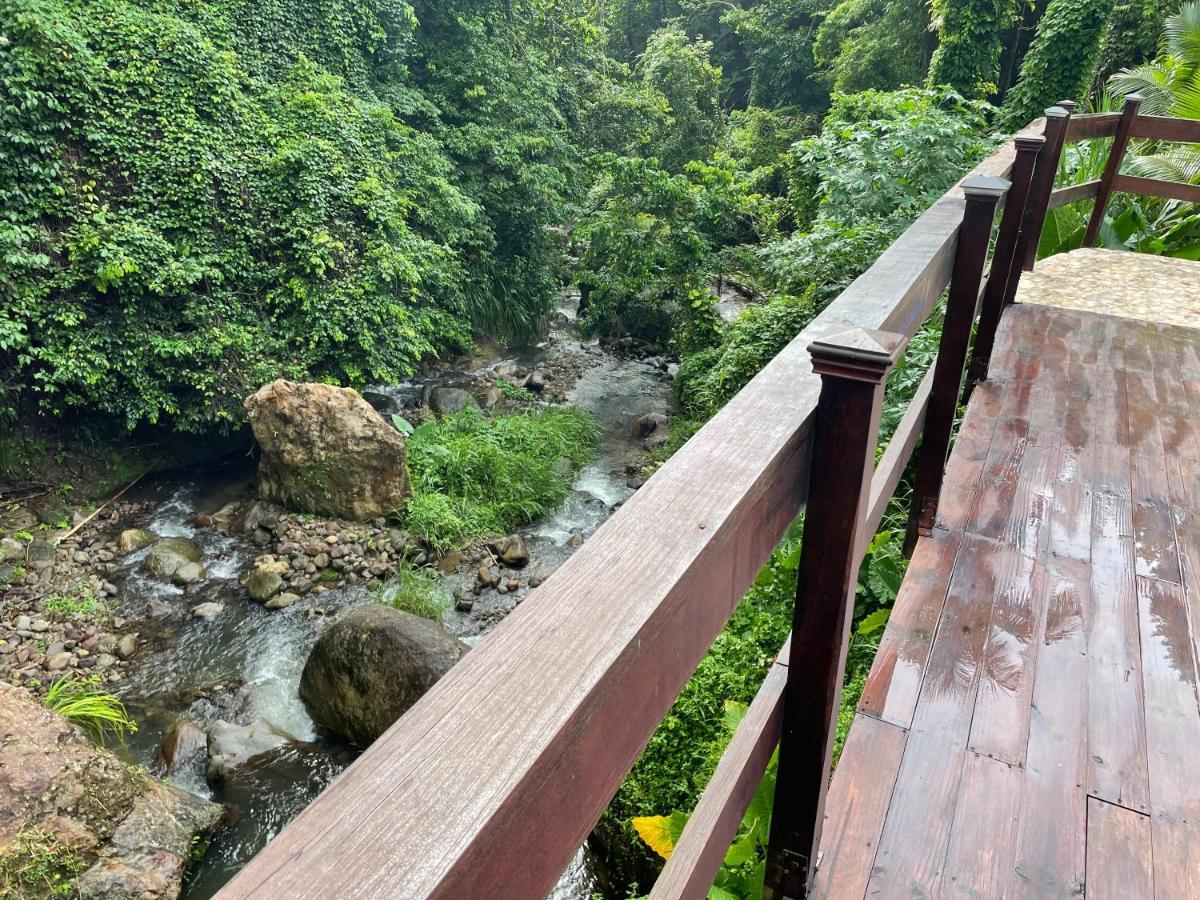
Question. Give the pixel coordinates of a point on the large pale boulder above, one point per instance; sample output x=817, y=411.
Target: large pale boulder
x=326, y=451
x=132, y=835
x=370, y=666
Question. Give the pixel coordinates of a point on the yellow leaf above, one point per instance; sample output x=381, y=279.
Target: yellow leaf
x=656, y=832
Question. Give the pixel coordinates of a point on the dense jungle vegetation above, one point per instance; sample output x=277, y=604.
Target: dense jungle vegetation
x=200, y=197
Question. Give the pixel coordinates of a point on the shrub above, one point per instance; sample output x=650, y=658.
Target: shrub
x=473, y=475
x=97, y=712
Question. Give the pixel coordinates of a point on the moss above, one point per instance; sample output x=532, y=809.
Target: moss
x=40, y=863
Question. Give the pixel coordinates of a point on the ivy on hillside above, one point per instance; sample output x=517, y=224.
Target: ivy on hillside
x=968, y=51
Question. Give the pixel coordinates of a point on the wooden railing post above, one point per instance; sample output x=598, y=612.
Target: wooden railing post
x=1006, y=270
x=852, y=366
x=982, y=193
x=1113, y=167
x=1044, y=173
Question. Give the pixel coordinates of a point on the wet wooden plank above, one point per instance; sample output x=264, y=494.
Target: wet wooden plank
x=964, y=469
x=1050, y=853
x=892, y=687
x=1144, y=407
x=1156, y=554
x=1014, y=503
x=1183, y=478
x=1174, y=385
x=1118, y=853
x=912, y=849
x=856, y=807
x=1071, y=506
x=1116, y=724
x=1000, y=726
x=1172, y=737
x=979, y=861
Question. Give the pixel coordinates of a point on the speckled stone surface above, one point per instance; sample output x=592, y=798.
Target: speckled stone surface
x=1117, y=283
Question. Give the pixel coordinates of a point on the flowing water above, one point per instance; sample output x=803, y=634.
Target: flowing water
x=244, y=664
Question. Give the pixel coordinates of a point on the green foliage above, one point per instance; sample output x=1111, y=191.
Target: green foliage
x=416, y=591
x=679, y=70
x=1170, y=83
x=203, y=197
x=968, y=50
x=1060, y=61
x=880, y=44
x=777, y=36
x=39, y=863
x=473, y=475
x=79, y=601
x=1132, y=34
x=84, y=703
x=888, y=155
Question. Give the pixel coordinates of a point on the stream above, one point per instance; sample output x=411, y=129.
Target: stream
x=244, y=664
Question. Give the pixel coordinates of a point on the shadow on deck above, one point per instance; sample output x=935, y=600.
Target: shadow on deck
x=1030, y=726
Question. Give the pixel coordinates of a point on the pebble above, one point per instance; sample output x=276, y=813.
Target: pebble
x=125, y=647
x=58, y=661
x=40, y=626
x=23, y=623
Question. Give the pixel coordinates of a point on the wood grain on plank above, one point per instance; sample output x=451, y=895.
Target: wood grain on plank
x=983, y=839
x=1000, y=725
x=1050, y=853
x=1116, y=723
x=855, y=809
x=1172, y=737
x=1118, y=853
x=1156, y=554
x=892, y=687
x=912, y=849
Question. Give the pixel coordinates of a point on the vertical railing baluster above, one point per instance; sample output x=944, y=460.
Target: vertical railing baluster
x=1044, y=173
x=1006, y=270
x=982, y=193
x=852, y=366
x=1112, y=167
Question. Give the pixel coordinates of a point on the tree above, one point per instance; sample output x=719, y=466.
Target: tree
x=874, y=44
x=1060, y=61
x=679, y=70
x=778, y=39
x=968, y=51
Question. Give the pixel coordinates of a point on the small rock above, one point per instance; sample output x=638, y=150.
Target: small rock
x=23, y=623
x=40, y=626
x=536, y=382
x=184, y=750
x=261, y=537
x=263, y=585
x=283, y=601
x=58, y=661
x=487, y=577
x=646, y=425
x=135, y=539
x=512, y=551
x=40, y=555
x=231, y=745
x=445, y=400
x=81, y=557
x=125, y=647
x=188, y=573
x=512, y=584
x=105, y=661
x=207, y=610
x=575, y=539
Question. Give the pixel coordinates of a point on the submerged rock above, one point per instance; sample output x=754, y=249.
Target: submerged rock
x=325, y=450
x=134, y=834
x=370, y=666
x=184, y=751
x=132, y=539
x=230, y=746
x=169, y=555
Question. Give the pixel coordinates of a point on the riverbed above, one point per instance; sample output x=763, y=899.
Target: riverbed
x=243, y=665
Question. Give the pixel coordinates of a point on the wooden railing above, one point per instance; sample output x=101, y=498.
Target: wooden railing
x=1123, y=127
x=487, y=787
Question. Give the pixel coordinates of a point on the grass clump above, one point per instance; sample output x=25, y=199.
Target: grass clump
x=416, y=591
x=79, y=601
x=84, y=703
x=38, y=863
x=474, y=475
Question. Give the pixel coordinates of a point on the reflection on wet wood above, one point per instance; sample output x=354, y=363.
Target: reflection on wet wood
x=1043, y=650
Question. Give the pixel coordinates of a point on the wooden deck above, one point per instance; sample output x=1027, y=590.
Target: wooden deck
x=1031, y=727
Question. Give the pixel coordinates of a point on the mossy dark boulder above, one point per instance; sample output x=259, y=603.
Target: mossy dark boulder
x=370, y=666
x=325, y=450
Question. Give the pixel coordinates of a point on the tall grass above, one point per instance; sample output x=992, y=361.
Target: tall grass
x=474, y=475
x=416, y=591
x=97, y=712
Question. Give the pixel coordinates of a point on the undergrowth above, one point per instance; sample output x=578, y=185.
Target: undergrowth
x=416, y=591
x=473, y=475
x=97, y=712
x=38, y=863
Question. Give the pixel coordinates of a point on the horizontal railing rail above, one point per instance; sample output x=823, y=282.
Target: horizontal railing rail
x=491, y=782
x=1123, y=127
